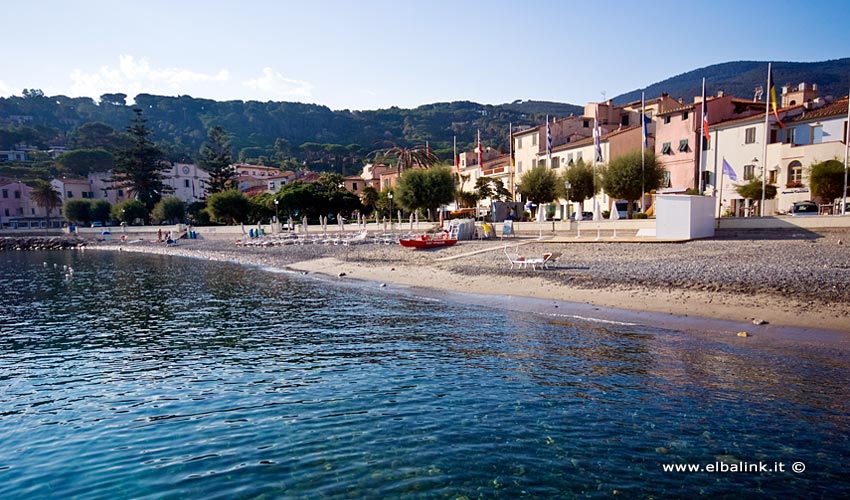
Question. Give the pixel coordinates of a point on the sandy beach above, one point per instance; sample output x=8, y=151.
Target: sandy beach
x=776, y=280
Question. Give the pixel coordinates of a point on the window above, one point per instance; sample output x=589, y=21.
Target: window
x=578, y=156
x=750, y=135
x=17, y=195
x=534, y=140
x=816, y=136
x=771, y=177
x=624, y=121
x=570, y=159
x=519, y=167
x=120, y=193
x=32, y=211
x=749, y=172
x=7, y=212
x=665, y=179
x=685, y=115
x=556, y=162
x=518, y=143
x=6, y=194
x=666, y=149
x=683, y=146
x=186, y=183
x=70, y=194
x=585, y=123
x=541, y=162
x=789, y=136
x=354, y=186
x=795, y=174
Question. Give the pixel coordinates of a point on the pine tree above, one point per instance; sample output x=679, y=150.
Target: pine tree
x=217, y=160
x=139, y=166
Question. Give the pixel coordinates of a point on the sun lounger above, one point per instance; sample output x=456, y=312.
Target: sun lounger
x=521, y=262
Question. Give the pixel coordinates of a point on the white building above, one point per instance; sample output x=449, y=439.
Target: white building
x=188, y=181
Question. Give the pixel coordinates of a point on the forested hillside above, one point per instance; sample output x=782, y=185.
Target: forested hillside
x=740, y=79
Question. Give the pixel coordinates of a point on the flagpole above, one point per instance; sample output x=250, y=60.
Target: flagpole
x=643, y=151
x=846, y=156
x=766, y=138
x=720, y=204
x=701, y=135
x=511, y=160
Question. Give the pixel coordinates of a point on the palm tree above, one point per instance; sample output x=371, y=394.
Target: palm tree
x=46, y=196
x=407, y=158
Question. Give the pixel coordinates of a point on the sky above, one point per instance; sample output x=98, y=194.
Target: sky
x=372, y=54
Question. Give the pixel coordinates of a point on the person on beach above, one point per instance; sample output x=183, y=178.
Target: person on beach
x=159, y=235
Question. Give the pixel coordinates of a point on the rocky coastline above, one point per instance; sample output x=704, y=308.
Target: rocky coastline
x=41, y=243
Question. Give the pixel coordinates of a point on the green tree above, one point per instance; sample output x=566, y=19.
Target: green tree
x=97, y=135
x=170, y=209
x=407, y=158
x=752, y=191
x=139, y=167
x=539, y=185
x=46, y=196
x=582, y=185
x=82, y=162
x=369, y=197
x=129, y=211
x=826, y=180
x=77, y=211
x=626, y=177
x=228, y=207
x=100, y=210
x=425, y=189
x=217, y=160
x=492, y=188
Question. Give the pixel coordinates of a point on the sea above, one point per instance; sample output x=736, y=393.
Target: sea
x=132, y=376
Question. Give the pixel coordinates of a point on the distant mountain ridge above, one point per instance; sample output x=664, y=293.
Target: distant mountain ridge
x=740, y=79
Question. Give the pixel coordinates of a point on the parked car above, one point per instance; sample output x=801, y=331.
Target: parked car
x=623, y=208
x=97, y=224
x=804, y=208
x=584, y=216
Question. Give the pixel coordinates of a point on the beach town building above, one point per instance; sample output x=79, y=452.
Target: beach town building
x=814, y=131
x=275, y=183
x=18, y=211
x=679, y=137
x=369, y=176
x=250, y=178
x=188, y=181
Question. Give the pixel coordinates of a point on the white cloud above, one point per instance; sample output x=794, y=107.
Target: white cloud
x=6, y=90
x=278, y=85
x=133, y=77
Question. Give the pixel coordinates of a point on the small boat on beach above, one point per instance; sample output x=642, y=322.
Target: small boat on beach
x=428, y=241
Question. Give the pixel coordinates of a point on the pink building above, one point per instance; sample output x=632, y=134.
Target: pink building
x=678, y=138
x=18, y=211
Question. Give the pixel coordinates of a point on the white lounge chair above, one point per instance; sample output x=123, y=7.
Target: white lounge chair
x=521, y=262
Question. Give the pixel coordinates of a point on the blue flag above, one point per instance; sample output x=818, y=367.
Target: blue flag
x=727, y=170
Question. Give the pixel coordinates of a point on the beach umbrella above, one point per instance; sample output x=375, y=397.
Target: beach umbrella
x=304, y=223
x=400, y=222
x=385, y=224
x=339, y=221
x=290, y=224
x=597, y=211
x=541, y=217
x=411, y=223
x=614, y=215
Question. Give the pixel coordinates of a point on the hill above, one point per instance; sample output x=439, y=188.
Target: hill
x=740, y=79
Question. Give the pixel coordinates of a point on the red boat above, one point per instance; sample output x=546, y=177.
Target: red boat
x=428, y=241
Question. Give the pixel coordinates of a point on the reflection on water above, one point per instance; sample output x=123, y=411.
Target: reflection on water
x=151, y=377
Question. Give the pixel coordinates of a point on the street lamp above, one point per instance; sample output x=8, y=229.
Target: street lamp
x=567, y=187
x=276, y=218
x=390, y=197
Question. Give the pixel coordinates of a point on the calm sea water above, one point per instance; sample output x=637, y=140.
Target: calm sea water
x=156, y=377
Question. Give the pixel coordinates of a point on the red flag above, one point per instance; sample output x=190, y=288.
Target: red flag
x=480, y=155
x=772, y=92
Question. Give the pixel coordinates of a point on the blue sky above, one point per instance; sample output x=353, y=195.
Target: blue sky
x=376, y=54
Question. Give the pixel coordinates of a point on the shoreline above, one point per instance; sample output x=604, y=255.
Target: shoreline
x=585, y=283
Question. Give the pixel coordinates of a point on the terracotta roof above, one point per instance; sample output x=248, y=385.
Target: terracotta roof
x=837, y=108
x=756, y=118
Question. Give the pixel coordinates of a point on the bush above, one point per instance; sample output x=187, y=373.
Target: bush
x=639, y=215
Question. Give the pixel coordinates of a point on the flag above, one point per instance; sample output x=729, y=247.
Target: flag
x=596, y=139
x=645, y=131
x=480, y=153
x=771, y=85
x=704, y=114
x=727, y=170
x=548, y=138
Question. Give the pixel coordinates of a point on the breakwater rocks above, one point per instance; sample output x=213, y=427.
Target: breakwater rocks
x=40, y=243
